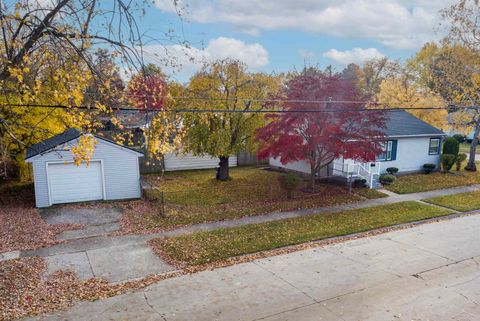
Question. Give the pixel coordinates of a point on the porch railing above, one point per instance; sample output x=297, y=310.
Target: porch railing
x=366, y=171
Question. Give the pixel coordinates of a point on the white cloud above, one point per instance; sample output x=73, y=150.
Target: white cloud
x=186, y=60
x=400, y=24
x=306, y=54
x=355, y=55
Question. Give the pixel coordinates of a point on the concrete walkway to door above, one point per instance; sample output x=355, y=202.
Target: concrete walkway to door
x=429, y=272
x=122, y=258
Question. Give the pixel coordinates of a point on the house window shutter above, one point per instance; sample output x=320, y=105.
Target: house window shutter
x=394, y=149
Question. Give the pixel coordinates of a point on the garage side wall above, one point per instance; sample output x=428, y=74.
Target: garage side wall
x=120, y=171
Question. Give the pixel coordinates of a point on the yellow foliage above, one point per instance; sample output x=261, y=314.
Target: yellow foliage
x=84, y=150
x=397, y=92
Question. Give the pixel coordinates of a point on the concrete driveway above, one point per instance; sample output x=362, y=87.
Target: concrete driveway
x=115, y=259
x=430, y=272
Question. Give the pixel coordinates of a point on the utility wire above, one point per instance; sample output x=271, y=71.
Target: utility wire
x=247, y=111
x=246, y=100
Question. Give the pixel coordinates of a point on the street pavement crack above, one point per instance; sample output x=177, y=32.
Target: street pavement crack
x=467, y=298
x=152, y=307
x=89, y=263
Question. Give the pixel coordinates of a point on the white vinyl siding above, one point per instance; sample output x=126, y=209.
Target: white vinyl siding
x=298, y=166
x=120, y=170
x=411, y=154
x=188, y=161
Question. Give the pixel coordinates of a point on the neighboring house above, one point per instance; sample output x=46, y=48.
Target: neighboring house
x=410, y=143
x=173, y=162
x=136, y=122
x=113, y=172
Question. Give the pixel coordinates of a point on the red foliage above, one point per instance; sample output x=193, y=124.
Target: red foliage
x=147, y=92
x=338, y=128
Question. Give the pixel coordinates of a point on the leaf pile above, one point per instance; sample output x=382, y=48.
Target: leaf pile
x=21, y=226
x=25, y=290
x=23, y=229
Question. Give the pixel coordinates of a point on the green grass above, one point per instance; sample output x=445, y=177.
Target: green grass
x=462, y=202
x=196, y=196
x=205, y=247
x=369, y=193
x=415, y=183
x=465, y=148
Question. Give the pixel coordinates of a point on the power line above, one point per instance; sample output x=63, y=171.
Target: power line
x=249, y=111
x=245, y=100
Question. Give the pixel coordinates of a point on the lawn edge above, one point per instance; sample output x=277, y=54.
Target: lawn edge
x=431, y=190
x=244, y=258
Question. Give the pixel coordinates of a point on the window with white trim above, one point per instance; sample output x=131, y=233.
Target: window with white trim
x=387, y=151
x=434, y=146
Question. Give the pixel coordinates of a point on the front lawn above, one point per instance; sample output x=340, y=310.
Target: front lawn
x=192, y=197
x=465, y=148
x=205, y=247
x=462, y=202
x=415, y=183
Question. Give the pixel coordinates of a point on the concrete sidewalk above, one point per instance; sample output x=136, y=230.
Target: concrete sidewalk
x=430, y=272
x=129, y=257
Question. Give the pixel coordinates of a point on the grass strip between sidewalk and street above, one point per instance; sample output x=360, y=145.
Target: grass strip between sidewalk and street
x=206, y=247
x=462, y=202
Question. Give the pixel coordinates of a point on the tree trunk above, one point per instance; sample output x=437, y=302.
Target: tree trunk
x=223, y=171
x=312, y=178
x=473, y=149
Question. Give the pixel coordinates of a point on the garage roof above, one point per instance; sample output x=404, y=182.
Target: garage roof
x=60, y=139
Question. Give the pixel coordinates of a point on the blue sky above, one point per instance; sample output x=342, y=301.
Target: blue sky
x=278, y=35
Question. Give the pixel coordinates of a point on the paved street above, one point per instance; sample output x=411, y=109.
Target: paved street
x=430, y=272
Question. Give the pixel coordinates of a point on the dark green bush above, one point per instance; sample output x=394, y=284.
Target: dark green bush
x=459, y=160
x=428, y=168
x=460, y=138
x=359, y=182
x=451, y=146
x=392, y=170
x=289, y=182
x=387, y=179
x=447, y=162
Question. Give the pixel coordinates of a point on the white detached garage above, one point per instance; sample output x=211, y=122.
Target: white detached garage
x=113, y=172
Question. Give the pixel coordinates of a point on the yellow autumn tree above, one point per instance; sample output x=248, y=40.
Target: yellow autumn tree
x=30, y=95
x=229, y=88
x=399, y=92
x=47, y=59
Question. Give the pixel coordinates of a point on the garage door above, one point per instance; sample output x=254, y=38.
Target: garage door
x=72, y=183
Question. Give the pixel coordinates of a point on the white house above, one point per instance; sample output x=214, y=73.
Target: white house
x=174, y=162
x=410, y=143
x=113, y=172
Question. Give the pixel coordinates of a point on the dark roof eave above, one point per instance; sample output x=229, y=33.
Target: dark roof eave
x=31, y=152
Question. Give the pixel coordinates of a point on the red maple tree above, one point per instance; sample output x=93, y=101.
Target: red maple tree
x=147, y=91
x=320, y=132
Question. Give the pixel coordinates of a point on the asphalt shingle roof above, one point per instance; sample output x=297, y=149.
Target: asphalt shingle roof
x=402, y=123
x=53, y=142
x=60, y=139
